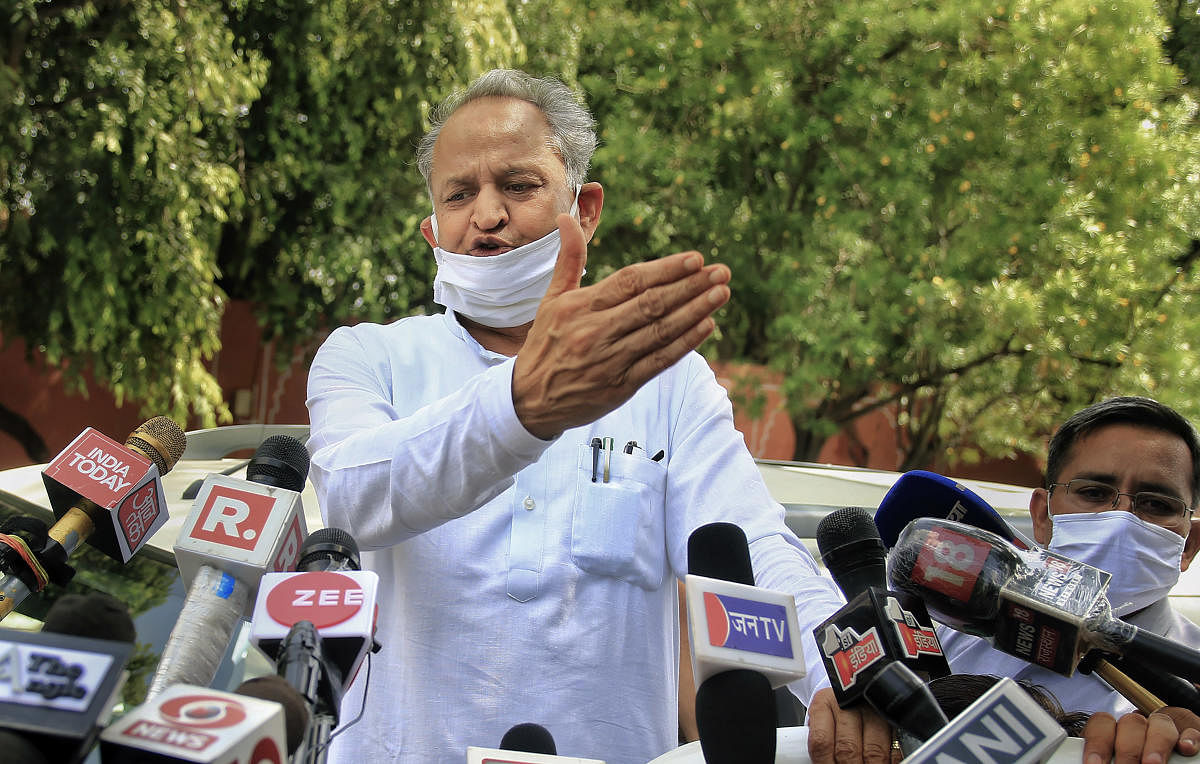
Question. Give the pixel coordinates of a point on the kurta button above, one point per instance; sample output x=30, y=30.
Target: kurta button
x=528, y=503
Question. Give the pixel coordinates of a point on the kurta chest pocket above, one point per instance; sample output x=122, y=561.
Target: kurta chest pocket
x=618, y=526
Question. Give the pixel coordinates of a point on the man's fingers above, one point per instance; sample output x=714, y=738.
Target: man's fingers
x=572, y=256
x=822, y=726
x=668, y=300
x=633, y=280
x=1099, y=734
x=1161, y=736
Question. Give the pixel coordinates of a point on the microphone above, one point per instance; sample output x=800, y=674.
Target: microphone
x=318, y=624
x=927, y=494
x=1004, y=725
x=196, y=724
x=1038, y=605
x=529, y=738
x=295, y=707
x=524, y=744
x=102, y=492
x=57, y=689
x=877, y=647
x=237, y=530
x=745, y=641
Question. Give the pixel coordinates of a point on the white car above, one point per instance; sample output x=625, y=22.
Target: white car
x=808, y=492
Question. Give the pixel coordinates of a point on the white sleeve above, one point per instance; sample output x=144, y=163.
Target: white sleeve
x=385, y=477
x=783, y=564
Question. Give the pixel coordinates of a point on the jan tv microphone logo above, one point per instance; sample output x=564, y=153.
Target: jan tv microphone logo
x=233, y=517
x=742, y=624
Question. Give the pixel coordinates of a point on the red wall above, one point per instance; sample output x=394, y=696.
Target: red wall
x=257, y=390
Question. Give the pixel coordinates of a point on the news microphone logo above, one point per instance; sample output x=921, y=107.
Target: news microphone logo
x=914, y=639
x=114, y=478
x=190, y=723
x=743, y=624
x=323, y=598
x=1004, y=726
x=233, y=516
x=950, y=562
x=736, y=626
x=851, y=653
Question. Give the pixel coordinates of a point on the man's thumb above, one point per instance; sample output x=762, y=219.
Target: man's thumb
x=572, y=256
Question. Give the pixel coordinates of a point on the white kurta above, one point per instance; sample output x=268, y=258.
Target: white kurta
x=513, y=587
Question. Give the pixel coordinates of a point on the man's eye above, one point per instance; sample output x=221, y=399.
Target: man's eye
x=1093, y=493
x=1155, y=505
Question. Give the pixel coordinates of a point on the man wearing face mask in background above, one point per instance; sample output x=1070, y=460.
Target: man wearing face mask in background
x=524, y=471
x=1122, y=480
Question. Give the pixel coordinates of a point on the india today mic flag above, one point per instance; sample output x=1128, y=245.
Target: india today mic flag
x=118, y=480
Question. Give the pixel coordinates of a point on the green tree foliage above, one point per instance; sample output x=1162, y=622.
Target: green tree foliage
x=977, y=215
x=156, y=159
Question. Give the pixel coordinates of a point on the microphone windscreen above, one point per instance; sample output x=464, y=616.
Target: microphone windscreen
x=160, y=440
x=280, y=461
x=20, y=750
x=329, y=548
x=96, y=615
x=295, y=708
x=735, y=715
x=529, y=738
x=920, y=493
x=719, y=550
x=851, y=549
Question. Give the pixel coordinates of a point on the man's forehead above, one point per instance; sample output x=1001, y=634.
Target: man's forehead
x=1144, y=453
x=507, y=132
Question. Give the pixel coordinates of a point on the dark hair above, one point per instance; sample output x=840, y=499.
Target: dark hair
x=1129, y=409
x=957, y=691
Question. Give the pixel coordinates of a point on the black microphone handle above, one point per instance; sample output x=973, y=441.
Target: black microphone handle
x=904, y=701
x=1173, y=690
x=1168, y=655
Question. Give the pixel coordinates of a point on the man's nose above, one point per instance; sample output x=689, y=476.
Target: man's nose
x=490, y=211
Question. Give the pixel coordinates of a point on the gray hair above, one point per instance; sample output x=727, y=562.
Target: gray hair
x=572, y=128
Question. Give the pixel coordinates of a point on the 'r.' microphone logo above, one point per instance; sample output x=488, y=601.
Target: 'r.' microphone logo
x=233, y=517
x=289, y=550
x=203, y=711
x=323, y=597
x=742, y=624
x=851, y=653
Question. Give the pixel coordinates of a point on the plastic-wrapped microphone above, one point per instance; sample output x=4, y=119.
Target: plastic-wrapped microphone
x=237, y=531
x=880, y=646
x=1037, y=605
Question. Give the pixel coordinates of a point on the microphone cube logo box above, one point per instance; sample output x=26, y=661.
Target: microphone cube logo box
x=242, y=528
x=738, y=626
x=124, y=483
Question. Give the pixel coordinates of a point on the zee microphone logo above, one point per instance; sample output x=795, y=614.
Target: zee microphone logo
x=233, y=517
x=323, y=598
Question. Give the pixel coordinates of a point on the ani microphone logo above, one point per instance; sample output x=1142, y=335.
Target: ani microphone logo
x=850, y=653
x=742, y=624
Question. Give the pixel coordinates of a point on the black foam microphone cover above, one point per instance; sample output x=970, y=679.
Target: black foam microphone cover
x=329, y=548
x=735, y=714
x=281, y=461
x=19, y=749
x=852, y=550
x=295, y=707
x=96, y=615
x=720, y=551
x=529, y=738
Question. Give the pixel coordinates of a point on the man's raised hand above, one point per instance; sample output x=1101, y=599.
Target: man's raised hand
x=591, y=348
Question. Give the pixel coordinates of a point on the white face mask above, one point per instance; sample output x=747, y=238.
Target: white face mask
x=1143, y=558
x=501, y=290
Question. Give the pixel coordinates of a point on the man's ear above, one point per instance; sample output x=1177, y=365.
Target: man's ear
x=427, y=231
x=591, y=201
x=1039, y=512
x=1190, y=545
